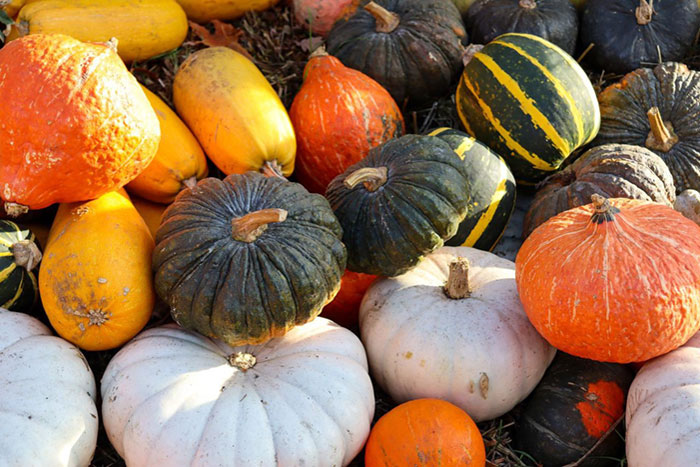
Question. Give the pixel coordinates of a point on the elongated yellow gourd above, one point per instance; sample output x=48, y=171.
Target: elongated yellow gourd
x=11, y=7
x=143, y=28
x=95, y=279
x=202, y=11
x=179, y=162
x=150, y=212
x=234, y=112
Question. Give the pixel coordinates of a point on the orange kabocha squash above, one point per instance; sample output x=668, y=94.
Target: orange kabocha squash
x=150, y=212
x=75, y=123
x=425, y=432
x=95, y=279
x=338, y=115
x=615, y=281
x=179, y=162
x=234, y=112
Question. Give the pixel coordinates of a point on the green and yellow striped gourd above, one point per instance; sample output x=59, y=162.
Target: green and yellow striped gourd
x=19, y=256
x=529, y=101
x=491, y=191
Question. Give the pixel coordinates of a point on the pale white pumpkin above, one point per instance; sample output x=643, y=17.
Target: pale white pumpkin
x=480, y=353
x=48, y=415
x=174, y=398
x=663, y=410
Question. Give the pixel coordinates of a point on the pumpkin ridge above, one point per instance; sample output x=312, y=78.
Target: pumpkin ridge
x=554, y=435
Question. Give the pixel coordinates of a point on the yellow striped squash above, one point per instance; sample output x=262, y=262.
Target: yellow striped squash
x=529, y=101
x=19, y=256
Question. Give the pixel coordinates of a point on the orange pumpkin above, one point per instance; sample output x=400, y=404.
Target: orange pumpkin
x=95, y=280
x=179, y=162
x=338, y=115
x=616, y=281
x=345, y=306
x=425, y=432
x=75, y=123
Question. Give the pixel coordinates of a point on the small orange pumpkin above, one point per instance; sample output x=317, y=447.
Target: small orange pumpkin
x=75, y=123
x=425, y=432
x=615, y=281
x=345, y=307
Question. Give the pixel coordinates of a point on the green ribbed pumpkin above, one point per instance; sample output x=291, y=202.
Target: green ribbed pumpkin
x=19, y=256
x=491, y=191
x=529, y=101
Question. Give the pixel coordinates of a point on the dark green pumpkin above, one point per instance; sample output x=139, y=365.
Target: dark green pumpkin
x=399, y=203
x=19, y=256
x=417, y=60
x=491, y=191
x=554, y=20
x=612, y=171
x=574, y=405
x=675, y=91
x=529, y=101
x=242, y=277
x=626, y=35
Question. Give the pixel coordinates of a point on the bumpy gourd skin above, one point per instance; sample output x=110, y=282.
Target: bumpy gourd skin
x=247, y=293
x=75, y=123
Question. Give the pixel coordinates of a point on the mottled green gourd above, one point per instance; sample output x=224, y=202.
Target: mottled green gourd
x=399, y=203
x=19, y=256
x=247, y=258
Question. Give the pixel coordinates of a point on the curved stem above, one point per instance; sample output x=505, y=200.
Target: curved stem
x=470, y=51
x=190, y=182
x=457, y=286
x=244, y=361
x=386, y=20
x=644, y=12
x=603, y=210
x=249, y=227
x=661, y=137
x=16, y=209
x=320, y=51
x=26, y=253
x=272, y=169
x=371, y=177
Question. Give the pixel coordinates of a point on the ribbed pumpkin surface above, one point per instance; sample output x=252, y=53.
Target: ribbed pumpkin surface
x=491, y=190
x=529, y=101
x=18, y=286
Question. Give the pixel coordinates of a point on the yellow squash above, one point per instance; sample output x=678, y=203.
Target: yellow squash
x=143, y=28
x=11, y=7
x=202, y=11
x=95, y=279
x=234, y=112
x=179, y=162
x=150, y=212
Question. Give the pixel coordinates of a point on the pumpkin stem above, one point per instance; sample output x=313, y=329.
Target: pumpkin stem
x=661, y=137
x=26, y=253
x=470, y=51
x=603, y=210
x=244, y=361
x=22, y=28
x=371, y=177
x=272, y=169
x=644, y=12
x=190, y=182
x=528, y=4
x=15, y=209
x=457, y=286
x=386, y=20
x=320, y=51
x=249, y=227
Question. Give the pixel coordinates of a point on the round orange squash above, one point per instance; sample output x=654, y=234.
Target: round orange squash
x=179, y=162
x=75, y=123
x=425, y=432
x=95, y=279
x=615, y=281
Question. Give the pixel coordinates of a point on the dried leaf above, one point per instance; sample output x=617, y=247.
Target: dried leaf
x=224, y=35
x=310, y=44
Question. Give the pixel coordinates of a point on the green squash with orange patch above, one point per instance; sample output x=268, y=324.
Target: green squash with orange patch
x=575, y=404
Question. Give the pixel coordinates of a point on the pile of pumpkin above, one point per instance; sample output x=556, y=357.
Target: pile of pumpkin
x=248, y=374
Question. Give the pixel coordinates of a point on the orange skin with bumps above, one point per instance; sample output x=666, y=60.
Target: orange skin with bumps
x=622, y=290
x=345, y=307
x=338, y=115
x=425, y=432
x=75, y=123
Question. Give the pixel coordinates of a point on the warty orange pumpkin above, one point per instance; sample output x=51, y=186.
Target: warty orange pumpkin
x=617, y=280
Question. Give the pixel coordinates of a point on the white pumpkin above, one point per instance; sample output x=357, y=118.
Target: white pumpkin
x=48, y=415
x=663, y=410
x=174, y=398
x=480, y=353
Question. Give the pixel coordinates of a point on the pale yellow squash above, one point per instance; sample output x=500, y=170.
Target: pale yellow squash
x=179, y=162
x=95, y=279
x=202, y=11
x=11, y=7
x=143, y=28
x=234, y=112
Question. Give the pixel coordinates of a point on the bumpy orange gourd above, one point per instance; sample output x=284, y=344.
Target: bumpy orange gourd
x=150, y=212
x=425, y=432
x=75, y=123
x=616, y=281
x=319, y=15
x=179, y=162
x=234, y=112
x=338, y=115
x=95, y=279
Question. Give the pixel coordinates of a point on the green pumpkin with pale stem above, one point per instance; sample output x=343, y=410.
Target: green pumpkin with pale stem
x=19, y=256
x=247, y=258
